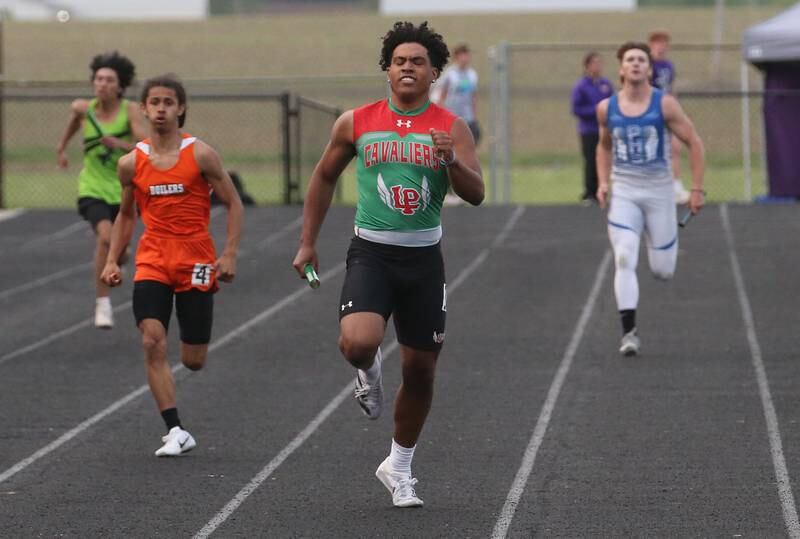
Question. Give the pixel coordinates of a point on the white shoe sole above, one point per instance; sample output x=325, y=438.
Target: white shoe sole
x=410, y=503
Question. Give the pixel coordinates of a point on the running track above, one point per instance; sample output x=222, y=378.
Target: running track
x=539, y=428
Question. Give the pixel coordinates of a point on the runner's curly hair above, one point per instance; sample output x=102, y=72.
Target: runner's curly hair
x=121, y=65
x=406, y=32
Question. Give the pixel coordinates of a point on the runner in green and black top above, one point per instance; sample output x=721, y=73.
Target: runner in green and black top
x=408, y=151
x=111, y=128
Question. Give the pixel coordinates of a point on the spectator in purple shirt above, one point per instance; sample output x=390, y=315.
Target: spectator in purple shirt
x=663, y=77
x=586, y=94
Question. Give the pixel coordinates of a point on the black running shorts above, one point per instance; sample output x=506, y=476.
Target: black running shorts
x=194, y=309
x=95, y=210
x=407, y=283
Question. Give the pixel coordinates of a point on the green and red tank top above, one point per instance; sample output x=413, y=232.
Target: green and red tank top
x=401, y=184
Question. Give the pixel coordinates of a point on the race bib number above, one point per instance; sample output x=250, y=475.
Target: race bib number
x=201, y=274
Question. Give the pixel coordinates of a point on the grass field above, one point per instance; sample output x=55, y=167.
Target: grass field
x=554, y=181
x=318, y=55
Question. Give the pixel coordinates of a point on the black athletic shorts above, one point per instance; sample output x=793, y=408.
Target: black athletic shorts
x=95, y=210
x=193, y=308
x=407, y=283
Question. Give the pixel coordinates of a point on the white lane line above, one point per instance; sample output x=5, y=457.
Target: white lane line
x=88, y=322
x=44, y=280
x=57, y=335
x=61, y=234
x=6, y=215
x=529, y=457
x=75, y=227
x=773, y=429
x=116, y=405
x=288, y=228
x=345, y=392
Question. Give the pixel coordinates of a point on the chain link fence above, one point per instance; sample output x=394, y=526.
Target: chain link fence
x=265, y=130
x=534, y=147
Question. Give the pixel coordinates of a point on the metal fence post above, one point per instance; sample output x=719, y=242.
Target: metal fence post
x=499, y=128
x=504, y=120
x=492, y=124
x=297, y=115
x=286, y=131
x=746, y=162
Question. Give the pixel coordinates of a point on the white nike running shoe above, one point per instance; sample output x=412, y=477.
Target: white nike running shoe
x=630, y=344
x=176, y=442
x=370, y=396
x=400, y=487
x=103, y=315
x=681, y=194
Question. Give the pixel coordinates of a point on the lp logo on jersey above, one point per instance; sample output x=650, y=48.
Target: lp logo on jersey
x=406, y=200
x=201, y=274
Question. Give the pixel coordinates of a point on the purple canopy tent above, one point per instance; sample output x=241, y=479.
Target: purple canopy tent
x=774, y=47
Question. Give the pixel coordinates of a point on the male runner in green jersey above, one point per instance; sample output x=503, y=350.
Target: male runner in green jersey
x=111, y=127
x=408, y=151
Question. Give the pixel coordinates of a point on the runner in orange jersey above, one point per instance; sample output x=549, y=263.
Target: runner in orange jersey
x=169, y=175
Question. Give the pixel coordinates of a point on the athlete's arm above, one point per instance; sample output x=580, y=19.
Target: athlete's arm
x=464, y=172
x=77, y=112
x=338, y=153
x=682, y=127
x=603, y=159
x=122, y=231
x=211, y=166
x=137, y=130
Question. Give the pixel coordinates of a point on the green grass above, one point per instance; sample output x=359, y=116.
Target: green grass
x=279, y=50
x=554, y=178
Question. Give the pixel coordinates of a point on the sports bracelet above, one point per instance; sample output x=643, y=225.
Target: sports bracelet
x=448, y=162
x=698, y=190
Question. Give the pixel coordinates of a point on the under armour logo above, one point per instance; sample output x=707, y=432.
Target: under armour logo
x=346, y=305
x=406, y=123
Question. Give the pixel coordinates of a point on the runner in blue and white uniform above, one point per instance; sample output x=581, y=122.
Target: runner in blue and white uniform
x=636, y=125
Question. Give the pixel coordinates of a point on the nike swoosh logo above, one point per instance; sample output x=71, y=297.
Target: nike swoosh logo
x=183, y=443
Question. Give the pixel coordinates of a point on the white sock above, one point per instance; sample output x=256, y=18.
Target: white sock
x=400, y=459
x=374, y=373
x=105, y=300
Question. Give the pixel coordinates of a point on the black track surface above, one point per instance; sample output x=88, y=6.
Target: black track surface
x=672, y=443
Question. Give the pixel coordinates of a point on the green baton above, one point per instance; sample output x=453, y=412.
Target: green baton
x=311, y=276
